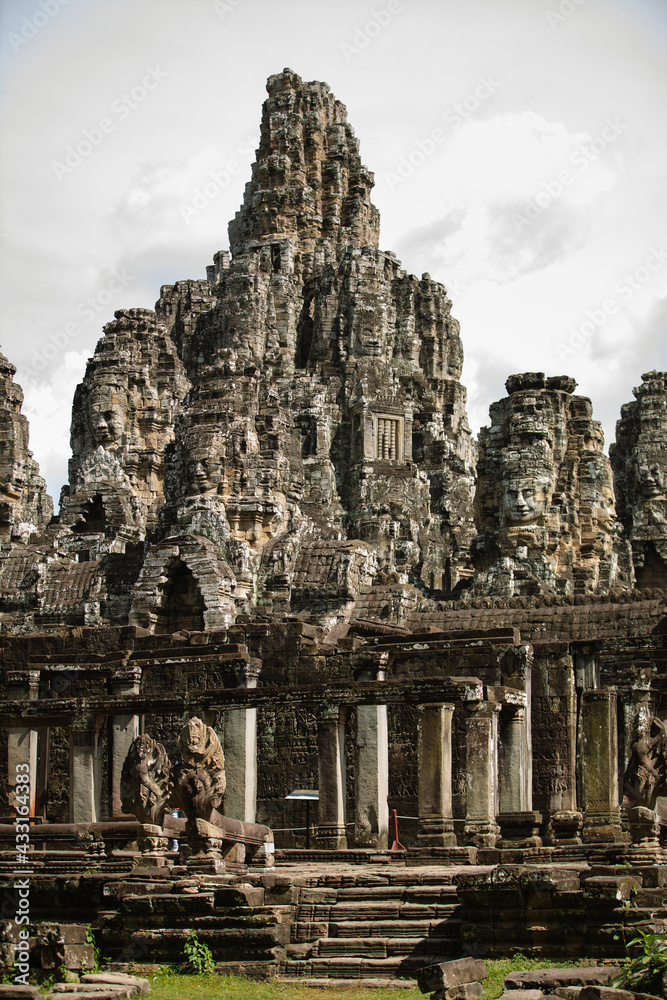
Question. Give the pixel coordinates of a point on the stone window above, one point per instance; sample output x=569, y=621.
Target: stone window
x=388, y=438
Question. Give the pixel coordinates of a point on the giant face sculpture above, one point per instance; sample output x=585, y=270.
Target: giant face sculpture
x=525, y=499
x=109, y=415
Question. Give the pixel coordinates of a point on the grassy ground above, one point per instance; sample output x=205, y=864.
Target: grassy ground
x=167, y=985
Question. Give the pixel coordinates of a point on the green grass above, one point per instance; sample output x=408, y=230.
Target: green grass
x=497, y=969
x=177, y=987
x=168, y=985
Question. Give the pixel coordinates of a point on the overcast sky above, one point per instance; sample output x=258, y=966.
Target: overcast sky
x=519, y=151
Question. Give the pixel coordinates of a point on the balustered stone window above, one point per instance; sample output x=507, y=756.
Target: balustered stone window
x=388, y=437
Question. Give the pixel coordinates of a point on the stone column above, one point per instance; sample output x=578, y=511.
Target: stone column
x=434, y=762
x=331, y=750
x=371, y=806
x=84, y=771
x=240, y=747
x=22, y=685
x=124, y=729
x=513, y=794
x=481, y=828
x=563, y=797
x=602, y=817
x=519, y=825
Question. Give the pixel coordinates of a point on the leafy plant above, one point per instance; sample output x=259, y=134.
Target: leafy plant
x=90, y=939
x=198, y=955
x=644, y=971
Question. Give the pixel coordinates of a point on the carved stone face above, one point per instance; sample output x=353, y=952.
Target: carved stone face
x=109, y=416
x=650, y=480
x=368, y=342
x=524, y=501
x=603, y=510
x=203, y=474
x=12, y=487
x=194, y=734
x=143, y=746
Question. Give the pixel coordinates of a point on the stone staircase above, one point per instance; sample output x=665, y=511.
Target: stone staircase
x=365, y=925
x=153, y=922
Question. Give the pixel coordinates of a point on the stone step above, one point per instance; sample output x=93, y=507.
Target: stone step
x=430, y=946
x=381, y=947
x=362, y=984
x=428, y=894
x=377, y=928
x=380, y=910
x=360, y=968
x=236, y=920
x=227, y=945
x=394, y=877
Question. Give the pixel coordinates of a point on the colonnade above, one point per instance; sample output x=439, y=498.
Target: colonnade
x=498, y=756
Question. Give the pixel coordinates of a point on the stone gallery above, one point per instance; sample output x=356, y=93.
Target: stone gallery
x=300, y=663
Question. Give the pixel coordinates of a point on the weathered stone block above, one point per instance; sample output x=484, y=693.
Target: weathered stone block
x=548, y=979
x=446, y=975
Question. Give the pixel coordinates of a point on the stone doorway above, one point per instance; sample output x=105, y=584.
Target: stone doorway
x=182, y=605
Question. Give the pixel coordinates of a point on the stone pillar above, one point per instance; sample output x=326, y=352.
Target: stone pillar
x=22, y=685
x=513, y=795
x=434, y=762
x=371, y=805
x=124, y=729
x=84, y=771
x=563, y=795
x=240, y=747
x=481, y=828
x=519, y=825
x=331, y=749
x=602, y=817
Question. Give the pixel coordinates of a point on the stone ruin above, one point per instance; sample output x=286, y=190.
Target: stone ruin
x=545, y=497
x=639, y=461
x=279, y=526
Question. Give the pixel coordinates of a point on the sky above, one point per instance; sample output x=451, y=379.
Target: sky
x=519, y=150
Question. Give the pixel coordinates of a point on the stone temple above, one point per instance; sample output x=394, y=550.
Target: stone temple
x=279, y=526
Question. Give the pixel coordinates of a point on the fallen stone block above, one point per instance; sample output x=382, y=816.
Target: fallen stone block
x=10, y=991
x=63, y=991
x=110, y=994
x=610, y=993
x=522, y=995
x=118, y=978
x=548, y=979
x=466, y=991
x=445, y=975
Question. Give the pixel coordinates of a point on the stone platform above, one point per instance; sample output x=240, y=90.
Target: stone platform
x=341, y=920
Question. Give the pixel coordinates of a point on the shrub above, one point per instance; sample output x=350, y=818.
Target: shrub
x=644, y=972
x=199, y=958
